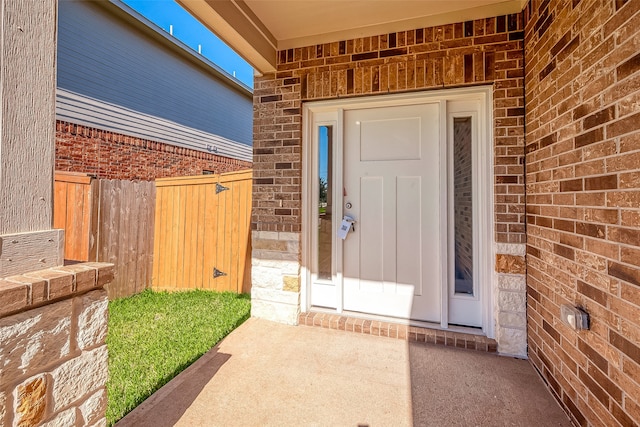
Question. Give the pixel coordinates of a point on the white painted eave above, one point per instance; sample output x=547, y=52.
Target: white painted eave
x=239, y=28
x=248, y=26
x=487, y=11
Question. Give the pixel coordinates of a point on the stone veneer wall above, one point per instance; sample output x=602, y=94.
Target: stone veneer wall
x=485, y=51
x=53, y=357
x=583, y=203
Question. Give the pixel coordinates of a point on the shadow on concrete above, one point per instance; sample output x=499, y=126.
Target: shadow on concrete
x=167, y=406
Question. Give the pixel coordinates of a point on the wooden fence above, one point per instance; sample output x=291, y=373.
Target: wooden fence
x=202, y=233
x=108, y=221
x=75, y=209
x=172, y=234
x=125, y=233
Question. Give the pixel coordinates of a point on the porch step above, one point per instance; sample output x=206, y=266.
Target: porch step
x=395, y=330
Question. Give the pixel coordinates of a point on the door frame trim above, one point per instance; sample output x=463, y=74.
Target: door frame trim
x=487, y=258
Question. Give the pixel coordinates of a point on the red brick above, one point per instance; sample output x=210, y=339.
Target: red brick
x=111, y=155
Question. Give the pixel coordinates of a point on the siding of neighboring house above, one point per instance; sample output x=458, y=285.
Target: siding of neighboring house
x=128, y=81
x=583, y=199
x=485, y=51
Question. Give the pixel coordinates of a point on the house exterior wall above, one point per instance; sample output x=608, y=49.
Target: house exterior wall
x=107, y=55
x=27, y=90
x=486, y=51
x=583, y=179
x=134, y=103
x=113, y=155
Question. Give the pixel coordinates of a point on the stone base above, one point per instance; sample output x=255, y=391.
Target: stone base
x=275, y=311
x=53, y=353
x=275, y=276
x=510, y=292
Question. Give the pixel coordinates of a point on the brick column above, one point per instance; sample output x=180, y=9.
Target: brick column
x=277, y=191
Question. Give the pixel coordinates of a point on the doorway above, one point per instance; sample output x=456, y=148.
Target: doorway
x=409, y=179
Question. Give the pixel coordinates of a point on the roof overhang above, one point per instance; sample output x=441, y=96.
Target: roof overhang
x=257, y=29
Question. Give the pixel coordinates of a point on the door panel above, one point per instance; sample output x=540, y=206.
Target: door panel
x=392, y=260
x=409, y=253
x=372, y=242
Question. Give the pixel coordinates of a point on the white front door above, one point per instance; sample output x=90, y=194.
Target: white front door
x=415, y=173
x=392, y=260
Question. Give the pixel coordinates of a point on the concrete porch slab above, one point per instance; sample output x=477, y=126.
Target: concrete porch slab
x=269, y=374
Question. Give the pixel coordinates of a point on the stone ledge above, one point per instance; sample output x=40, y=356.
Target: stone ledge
x=37, y=288
x=398, y=331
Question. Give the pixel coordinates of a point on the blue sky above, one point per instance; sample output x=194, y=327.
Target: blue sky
x=323, y=149
x=189, y=31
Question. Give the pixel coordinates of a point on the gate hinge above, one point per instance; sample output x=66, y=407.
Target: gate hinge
x=217, y=273
x=220, y=188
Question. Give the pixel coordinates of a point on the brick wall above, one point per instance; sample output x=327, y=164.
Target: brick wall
x=485, y=51
x=583, y=199
x=111, y=155
x=466, y=53
x=53, y=325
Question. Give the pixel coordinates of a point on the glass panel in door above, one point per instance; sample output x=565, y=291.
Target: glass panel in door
x=463, y=205
x=325, y=208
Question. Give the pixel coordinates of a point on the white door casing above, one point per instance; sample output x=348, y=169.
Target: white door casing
x=402, y=206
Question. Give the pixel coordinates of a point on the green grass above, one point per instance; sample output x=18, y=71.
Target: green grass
x=153, y=336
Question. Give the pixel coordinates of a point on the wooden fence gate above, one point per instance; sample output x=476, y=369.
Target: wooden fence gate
x=172, y=234
x=125, y=233
x=108, y=221
x=202, y=233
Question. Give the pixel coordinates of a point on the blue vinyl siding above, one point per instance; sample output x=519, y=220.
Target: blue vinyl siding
x=106, y=58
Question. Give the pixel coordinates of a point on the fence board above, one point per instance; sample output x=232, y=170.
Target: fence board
x=74, y=211
x=200, y=262
x=126, y=234
x=198, y=230
x=144, y=264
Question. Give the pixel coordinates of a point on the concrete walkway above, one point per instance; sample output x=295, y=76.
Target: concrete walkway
x=268, y=374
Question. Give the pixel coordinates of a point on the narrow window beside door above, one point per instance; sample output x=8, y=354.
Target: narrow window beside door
x=463, y=205
x=325, y=211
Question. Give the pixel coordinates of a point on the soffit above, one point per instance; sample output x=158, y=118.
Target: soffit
x=256, y=29
x=296, y=23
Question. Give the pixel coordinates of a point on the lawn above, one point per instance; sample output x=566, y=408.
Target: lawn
x=153, y=336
